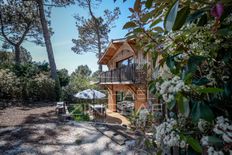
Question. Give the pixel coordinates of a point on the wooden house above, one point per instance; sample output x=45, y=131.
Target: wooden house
x=127, y=75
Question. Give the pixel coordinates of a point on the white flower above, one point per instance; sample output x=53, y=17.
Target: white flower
x=157, y=85
x=220, y=153
x=165, y=97
x=165, y=133
x=210, y=150
x=217, y=131
x=229, y=127
x=226, y=138
x=204, y=140
x=143, y=114
x=182, y=144
x=202, y=124
x=164, y=87
x=170, y=89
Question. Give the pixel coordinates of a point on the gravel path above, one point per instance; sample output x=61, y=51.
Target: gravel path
x=35, y=130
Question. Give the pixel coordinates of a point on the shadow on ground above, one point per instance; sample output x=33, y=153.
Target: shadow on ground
x=37, y=130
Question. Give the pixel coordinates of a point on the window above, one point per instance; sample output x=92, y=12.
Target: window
x=125, y=62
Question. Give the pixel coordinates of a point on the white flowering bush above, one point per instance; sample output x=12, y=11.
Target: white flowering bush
x=193, y=75
x=169, y=88
x=9, y=84
x=167, y=134
x=219, y=139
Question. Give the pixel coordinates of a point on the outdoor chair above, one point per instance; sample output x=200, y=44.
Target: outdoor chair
x=60, y=108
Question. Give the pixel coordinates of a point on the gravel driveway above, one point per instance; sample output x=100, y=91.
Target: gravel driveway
x=35, y=130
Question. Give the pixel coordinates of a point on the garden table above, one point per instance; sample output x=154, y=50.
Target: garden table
x=98, y=109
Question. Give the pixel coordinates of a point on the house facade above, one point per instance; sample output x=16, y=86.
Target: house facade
x=127, y=75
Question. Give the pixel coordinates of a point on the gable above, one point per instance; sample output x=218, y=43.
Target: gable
x=114, y=48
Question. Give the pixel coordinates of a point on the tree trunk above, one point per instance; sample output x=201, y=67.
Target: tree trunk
x=97, y=25
x=46, y=35
x=98, y=43
x=99, y=51
x=17, y=55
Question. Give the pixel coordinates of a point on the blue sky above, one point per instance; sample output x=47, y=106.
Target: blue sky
x=63, y=25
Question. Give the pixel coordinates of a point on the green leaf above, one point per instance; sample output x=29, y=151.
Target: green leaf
x=160, y=152
x=138, y=30
x=194, y=62
x=181, y=18
x=201, y=110
x=158, y=29
x=157, y=21
x=170, y=62
x=201, y=81
x=215, y=140
x=152, y=87
x=129, y=25
x=171, y=104
x=146, y=17
x=188, y=78
x=183, y=104
x=194, y=144
x=171, y=16
x=137, y=5
x=129, y=33
x=197, y=14
x=148, y=4
x=209, y=90
x=225, y=31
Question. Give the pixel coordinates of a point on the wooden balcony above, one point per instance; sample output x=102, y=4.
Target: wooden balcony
x=129, y=74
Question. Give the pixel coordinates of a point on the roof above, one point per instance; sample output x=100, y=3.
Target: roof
x=112, y=48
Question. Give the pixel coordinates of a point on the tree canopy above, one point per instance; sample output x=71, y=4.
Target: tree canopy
x=19, y=21
x=82, y=71
x=93, y=32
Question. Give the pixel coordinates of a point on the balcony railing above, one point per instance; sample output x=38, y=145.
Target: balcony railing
x=131, y=74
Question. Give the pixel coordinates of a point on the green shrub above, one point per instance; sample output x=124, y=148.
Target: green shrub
x=41, y=88
x=10, y=87
x=38, y=88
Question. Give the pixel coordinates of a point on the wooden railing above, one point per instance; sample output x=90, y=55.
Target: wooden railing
x=129, y=73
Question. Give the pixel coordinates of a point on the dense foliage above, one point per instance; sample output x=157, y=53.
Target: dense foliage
x=192, y=69
x=80, y=80
x=27, y=82
x=31, y=81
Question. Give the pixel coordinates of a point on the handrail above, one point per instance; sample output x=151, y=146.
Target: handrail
x=123, y=74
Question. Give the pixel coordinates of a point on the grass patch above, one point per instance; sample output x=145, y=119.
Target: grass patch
x=79, y=112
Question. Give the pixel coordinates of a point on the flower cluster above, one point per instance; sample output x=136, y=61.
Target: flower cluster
x=166, y=134
x=205, y=140
x=202, y=125
x=212, y=151
x=170, y=87
x=223, y=128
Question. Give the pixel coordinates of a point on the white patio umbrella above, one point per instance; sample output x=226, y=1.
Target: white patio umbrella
x=90, y=94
